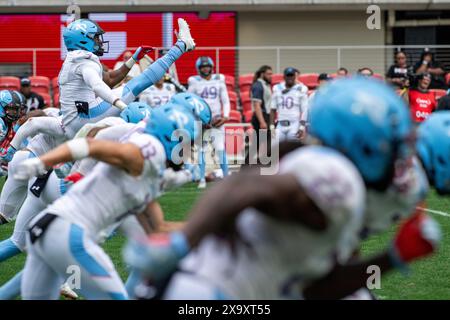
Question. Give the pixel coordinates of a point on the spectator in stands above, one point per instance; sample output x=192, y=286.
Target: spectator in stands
x=444, y=102
x=427, y=64
x=341, y=73
x=398, y=74
x=135, y=70
x=422, y=102
x=34, y=101
x=365, y=72
x=261, y=96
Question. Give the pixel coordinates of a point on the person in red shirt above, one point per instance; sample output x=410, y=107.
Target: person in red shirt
x=421, y=101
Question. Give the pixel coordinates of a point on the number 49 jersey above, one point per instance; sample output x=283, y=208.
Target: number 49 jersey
x=214, y=91
x=290, y=103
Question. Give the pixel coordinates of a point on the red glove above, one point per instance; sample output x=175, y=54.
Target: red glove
x=74, y=177
x=418, y=237
x=141, y=52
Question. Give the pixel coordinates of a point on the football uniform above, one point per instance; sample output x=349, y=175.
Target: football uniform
x=290, y=105
x=156, y=97
x=278, y=258
x=81, y=214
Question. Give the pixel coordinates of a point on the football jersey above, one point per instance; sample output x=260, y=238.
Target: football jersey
x=214, y=91
x=108, y=193
x=291, y=103
x=156, y=97
x=281, y=257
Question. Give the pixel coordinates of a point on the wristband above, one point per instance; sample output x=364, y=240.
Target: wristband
x=130, y=63
x=119, y=104
x=79, y=148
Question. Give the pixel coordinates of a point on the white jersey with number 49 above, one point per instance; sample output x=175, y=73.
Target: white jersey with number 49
x=108, y=194
x=214, y=91
x=278, y=258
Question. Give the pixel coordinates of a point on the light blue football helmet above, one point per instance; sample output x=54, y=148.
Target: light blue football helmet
x=433, y=149
x=368, y=122
x=165, y=120
x=85, y=34
x=197, y=105
x=204, y=62
x=11, y=103
x=135, y=112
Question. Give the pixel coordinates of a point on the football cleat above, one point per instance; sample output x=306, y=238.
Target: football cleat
x=184, y=34
x=202, y=184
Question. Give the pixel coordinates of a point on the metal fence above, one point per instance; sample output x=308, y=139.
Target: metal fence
x=246, y=59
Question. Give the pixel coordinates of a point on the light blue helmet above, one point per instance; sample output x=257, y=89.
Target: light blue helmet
x=85, y=34
x=433, y=149
x=135, y=112
x=11, y=103
x=168, y=118
x=197, y=105
x=368, y=122
x=204, y=62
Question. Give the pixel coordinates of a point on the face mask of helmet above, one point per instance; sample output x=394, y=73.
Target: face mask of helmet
x=101, y=46
x=12, y=112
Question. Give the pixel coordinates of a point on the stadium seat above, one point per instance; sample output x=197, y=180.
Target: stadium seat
x=378, y=76
x=309, y=80
x=277, y=78
x=9, y=83
x=47, y=99
x=447, y=78
x=245, y=101
x=230, y=82
x=55, y=85
x=245, y=82
x=248, y=116
x=56, y=100
x=235, y=141
x=40, y=84
x=233, y=100
x=438, y=93
x=235, y=117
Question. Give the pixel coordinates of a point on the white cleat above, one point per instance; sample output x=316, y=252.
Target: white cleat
x=202, y=184
x=184, y=34
x=67, y=292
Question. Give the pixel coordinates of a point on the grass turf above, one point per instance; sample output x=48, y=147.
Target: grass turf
x=429, y=279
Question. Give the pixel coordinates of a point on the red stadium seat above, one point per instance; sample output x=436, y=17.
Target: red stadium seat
x=447, y=78
x=233, y=100
x=235, y=117
x=56, y=100
x=47, y=99
x=309, y=79
x=230, y=82
x=40, y=84
x=248, y=116
x=378, y=76
x=438, y=93
x=277, y=78
x=245, y=82
x=9, y=83
x=235, y=141
x=246, y=101
x=55, y=85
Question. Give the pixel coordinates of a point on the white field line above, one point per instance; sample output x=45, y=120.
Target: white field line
x=441, y=213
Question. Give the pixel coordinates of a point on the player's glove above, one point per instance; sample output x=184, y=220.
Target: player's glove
x=29, y=168
x=8, y=154
x=157, y=256
x=418, y=237
x=62, y=170
x=74, y=177
x=141, y=52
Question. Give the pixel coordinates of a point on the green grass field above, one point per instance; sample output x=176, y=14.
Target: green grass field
x=429, y=279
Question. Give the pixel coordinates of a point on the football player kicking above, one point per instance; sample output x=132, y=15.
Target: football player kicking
x=77, y=218
x=212, y=88
x=305, y=214
x=82, y=79
x=290, y=103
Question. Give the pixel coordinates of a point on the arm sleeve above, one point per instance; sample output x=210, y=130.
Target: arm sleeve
x=33, y=126
x=225, y=100
x=90, y=74
x=191, y=85
x=257, y=91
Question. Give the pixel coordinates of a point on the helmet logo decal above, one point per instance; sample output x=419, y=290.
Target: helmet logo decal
x=79, y=26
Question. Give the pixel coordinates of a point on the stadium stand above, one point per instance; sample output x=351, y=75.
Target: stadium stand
x=40, y=84
x=9, y=83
